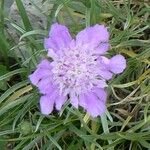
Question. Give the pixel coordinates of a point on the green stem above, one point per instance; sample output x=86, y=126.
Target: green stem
x=104, y=122
x=95, y=127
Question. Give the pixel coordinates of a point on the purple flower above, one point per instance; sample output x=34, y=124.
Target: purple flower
x=79, y=69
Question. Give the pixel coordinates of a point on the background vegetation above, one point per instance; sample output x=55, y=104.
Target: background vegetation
x=126, y=125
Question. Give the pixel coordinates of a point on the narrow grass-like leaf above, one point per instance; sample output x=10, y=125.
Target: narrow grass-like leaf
x=38, y=123
x=10, y=74
x=7, y=132
x=13, y=104
x=34, y=32
x=104, y=122
x=54, y=142
x=33, y=143
x=12, y=89
x=24, y=15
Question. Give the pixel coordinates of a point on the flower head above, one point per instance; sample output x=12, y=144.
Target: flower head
x=79, y=69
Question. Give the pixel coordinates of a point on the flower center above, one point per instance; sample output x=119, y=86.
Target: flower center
x=75, y=71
